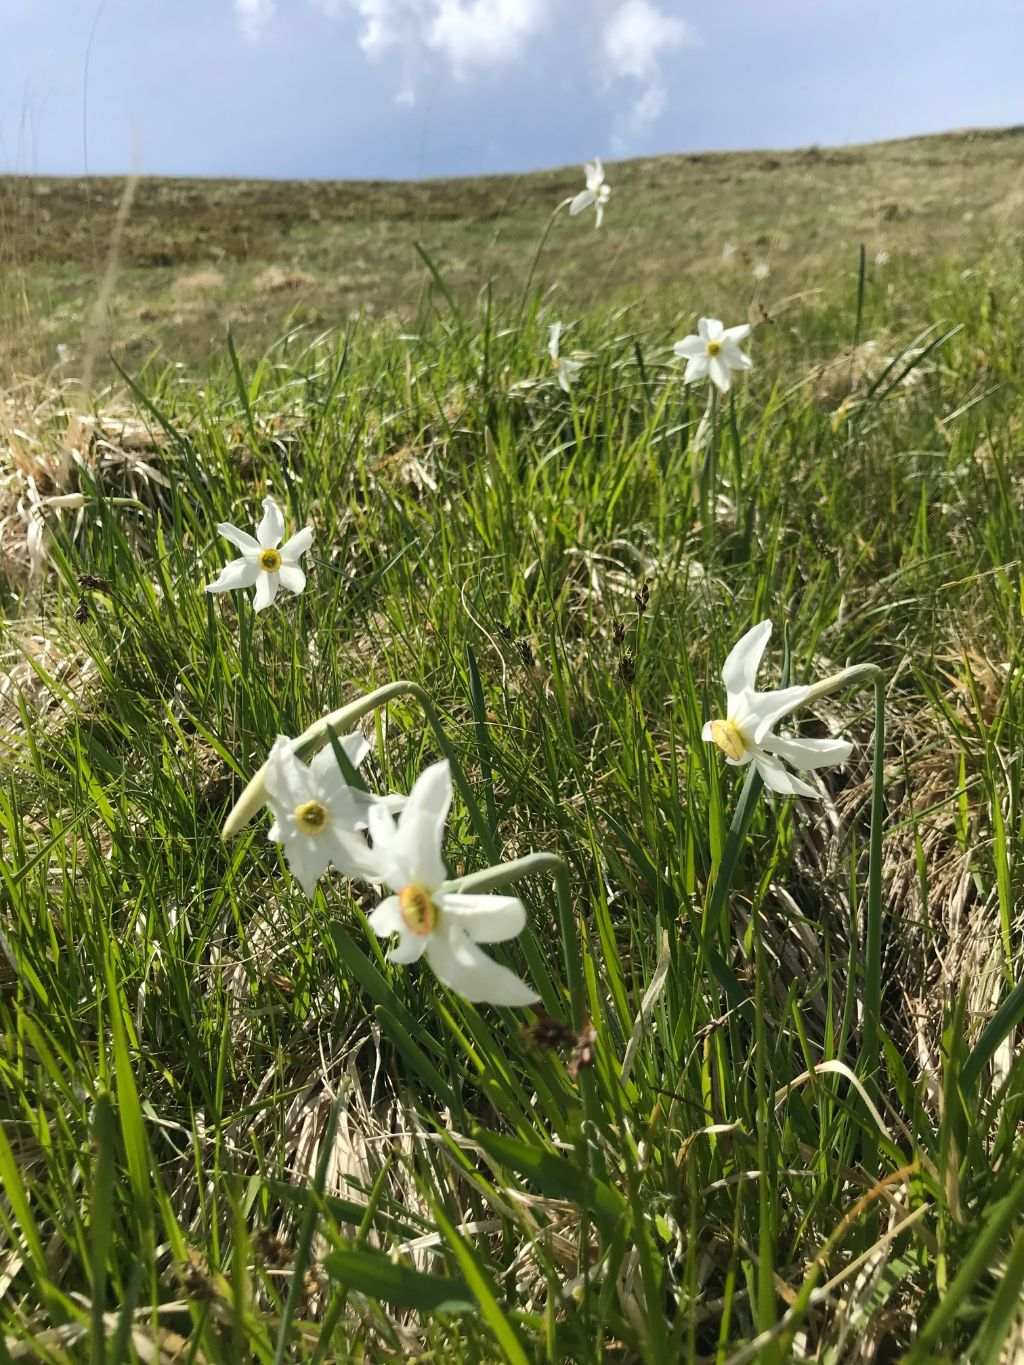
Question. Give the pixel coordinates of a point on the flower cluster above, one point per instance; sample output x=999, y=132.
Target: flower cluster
x=324, y=818
x=321, y=821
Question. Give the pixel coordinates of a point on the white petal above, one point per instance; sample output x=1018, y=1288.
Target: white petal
x=348, y=851
x=242, y=539
x=409, y=948
x=776, y=779
x=736, y=334
x=355, y=747
x=739, y=672
x=696, y=368
x=582, y=201
x=307, y=859
x=734, y=357
x=291, y=577
x=238, y=574
x=293, y=549
x=486, y=919
x=719, y=372
x=417, y=848
x=266, y=590
x=709, y=329
x=467, y=970
x=287, y=781
x=387, y=918
x=767, y=708
x=805, y=754
x=689, y=347
x=271, y=527
x=599, y=213
x=554, y=334
x=706, y=733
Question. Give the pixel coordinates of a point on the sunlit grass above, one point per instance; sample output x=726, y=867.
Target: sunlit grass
x=230, y=1128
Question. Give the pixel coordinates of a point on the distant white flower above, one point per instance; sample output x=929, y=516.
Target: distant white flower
x=745, y=735
x=445, y=926
x=265, y=562
x=596, y=193
x=317, y=815
x=728, y=251
x=761, y=270
x=713, y=353
x=882, y=257
x=567, y=369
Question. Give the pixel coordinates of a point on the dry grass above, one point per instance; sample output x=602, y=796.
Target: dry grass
x=197, y=256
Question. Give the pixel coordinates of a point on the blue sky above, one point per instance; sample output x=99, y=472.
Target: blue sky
x=411, y=88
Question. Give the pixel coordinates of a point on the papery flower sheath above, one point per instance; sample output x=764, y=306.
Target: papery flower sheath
x=265, y=563
x=745, y=735
x=432, y=921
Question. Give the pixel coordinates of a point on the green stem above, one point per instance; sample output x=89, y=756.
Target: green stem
x=536, y=257
x=873, y=926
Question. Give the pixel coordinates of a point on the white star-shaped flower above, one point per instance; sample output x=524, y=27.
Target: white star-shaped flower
x=432, y=921
x=713, y=353
x=265, y=562
x=596, y=193
x=317, y=815
x=566, y=369
x=745, y=735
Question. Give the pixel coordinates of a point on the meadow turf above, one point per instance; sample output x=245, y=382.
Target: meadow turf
x=775, y=1112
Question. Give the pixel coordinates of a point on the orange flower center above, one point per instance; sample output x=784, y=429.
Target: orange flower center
x=714, y=347
x=311, y=817
x=270, y=560
x=418, y=911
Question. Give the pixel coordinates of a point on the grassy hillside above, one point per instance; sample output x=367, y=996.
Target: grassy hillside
x=196, y=256
x=769, y=1107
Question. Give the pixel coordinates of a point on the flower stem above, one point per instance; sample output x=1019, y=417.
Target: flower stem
x=537, y=255
x=873, y=925
x=536, y=864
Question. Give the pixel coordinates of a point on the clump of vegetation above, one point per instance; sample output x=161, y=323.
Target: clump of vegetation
x=768, y=1107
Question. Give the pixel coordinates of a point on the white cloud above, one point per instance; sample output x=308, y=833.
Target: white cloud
x=637, y=35
x=481, y=33
x=386, y=23
x=254, y=16
x=626, y=40
x=634, y=42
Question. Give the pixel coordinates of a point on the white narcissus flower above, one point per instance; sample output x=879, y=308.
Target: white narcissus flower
x=745, y=734
x=596, y=193
x=265, y=562
x=567, y=369
x=431, y=921
x=317, y=815
x=713, y=353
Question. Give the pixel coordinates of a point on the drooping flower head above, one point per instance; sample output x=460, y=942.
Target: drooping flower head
x=744, y=736
x=265, y=564
x=442, y=925
x=317, y=815
x=596, y=192
x=713, y=353
x=566, y=369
